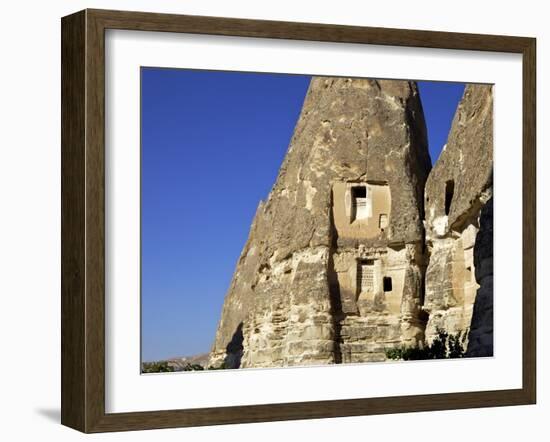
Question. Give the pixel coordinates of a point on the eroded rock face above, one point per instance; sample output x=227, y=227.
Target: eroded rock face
x=480, y=339
x=458, y=187
x=332, y=270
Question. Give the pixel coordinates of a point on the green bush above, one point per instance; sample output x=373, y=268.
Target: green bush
x=156, y=367
x=444, y=346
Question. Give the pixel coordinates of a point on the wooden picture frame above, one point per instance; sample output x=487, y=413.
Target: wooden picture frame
x=83, y=220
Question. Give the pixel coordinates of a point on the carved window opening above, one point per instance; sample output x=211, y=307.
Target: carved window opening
x=359, y=202
x=365, y=276
x=449, y=193
x=468, y=275
x=387, y=282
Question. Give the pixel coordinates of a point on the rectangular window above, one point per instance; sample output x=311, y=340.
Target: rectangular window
x=359, y=201
x=365, y=276
x=387, y=284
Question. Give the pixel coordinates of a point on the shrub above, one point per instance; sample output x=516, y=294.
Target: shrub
x=444, y=346
x=156, y=367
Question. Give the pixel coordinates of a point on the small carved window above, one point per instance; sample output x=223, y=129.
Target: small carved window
x=359, y=202
x=365, y=276
x=387, y=284
x=449, y=193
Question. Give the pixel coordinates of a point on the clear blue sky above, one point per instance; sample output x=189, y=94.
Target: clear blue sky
x=212, y=144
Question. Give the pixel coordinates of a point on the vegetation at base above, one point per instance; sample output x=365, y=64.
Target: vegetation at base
x=166, y=367
x=444, y=346
x=156, y=367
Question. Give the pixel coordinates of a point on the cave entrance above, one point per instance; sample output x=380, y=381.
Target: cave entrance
x=449, y=193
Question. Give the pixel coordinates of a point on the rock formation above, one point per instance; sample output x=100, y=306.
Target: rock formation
x=480, y=339
x=333, y=266
x=459, y=185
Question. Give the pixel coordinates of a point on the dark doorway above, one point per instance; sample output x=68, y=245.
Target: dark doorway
x=449, y=193
x=387, y=284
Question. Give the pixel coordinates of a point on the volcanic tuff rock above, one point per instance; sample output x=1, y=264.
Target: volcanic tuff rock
x=480, y=339
x=333, y=266
x=458, y=187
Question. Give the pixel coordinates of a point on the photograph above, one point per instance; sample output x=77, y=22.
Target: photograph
x=270, y=222
x=304, y=220
x=268, y=219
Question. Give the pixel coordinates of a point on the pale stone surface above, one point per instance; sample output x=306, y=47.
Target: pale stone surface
x=467, y=160
x=334, y=269
x=457, y=189
x=295, y=287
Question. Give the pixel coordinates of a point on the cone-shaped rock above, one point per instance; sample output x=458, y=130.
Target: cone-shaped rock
x=459, y=186
x=480, y=338
x=332, y=270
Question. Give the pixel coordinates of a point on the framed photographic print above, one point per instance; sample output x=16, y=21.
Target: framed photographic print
x=267, y=221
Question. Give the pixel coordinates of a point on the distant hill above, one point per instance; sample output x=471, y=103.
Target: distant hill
x=180, y=362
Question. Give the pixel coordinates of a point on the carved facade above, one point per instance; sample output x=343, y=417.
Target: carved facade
x=459, y=186
x=336, y=268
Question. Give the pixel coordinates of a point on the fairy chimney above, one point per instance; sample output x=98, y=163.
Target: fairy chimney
x=333, y=267
x=459, y=186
